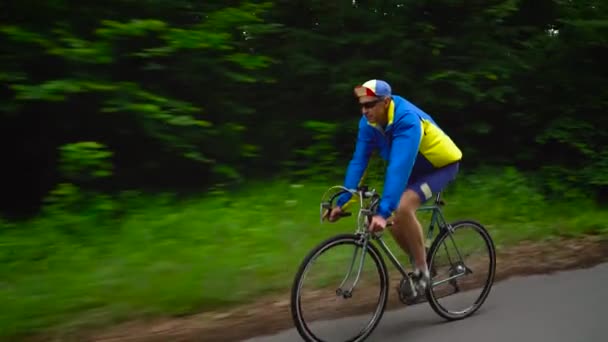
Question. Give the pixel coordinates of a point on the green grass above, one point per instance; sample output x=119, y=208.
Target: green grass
x=165, y=257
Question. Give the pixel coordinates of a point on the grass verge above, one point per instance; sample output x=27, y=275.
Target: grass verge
x=67, y=270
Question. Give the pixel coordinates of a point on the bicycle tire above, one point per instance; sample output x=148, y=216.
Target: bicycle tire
x=433, y=300
x=296, y=309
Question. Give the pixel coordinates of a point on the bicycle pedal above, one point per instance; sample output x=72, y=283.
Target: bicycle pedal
x=407, y=295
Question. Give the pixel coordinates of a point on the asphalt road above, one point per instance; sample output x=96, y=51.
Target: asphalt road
x=561, y=307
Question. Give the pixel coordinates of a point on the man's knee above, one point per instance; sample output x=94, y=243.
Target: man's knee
x=410, y=201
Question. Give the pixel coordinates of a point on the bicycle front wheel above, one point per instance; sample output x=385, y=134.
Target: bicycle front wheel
x=462, y=262
x=342, y=276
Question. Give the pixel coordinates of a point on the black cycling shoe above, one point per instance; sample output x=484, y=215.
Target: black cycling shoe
x=412, y=290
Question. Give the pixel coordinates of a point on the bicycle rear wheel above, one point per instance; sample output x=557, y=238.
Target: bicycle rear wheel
x=322, y=293
x=462, y=264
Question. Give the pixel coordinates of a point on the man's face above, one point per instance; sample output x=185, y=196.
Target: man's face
x=374, y=109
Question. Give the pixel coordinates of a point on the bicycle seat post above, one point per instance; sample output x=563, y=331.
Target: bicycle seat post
x=438, y=200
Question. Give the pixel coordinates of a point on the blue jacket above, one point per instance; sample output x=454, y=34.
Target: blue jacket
x=411, y=137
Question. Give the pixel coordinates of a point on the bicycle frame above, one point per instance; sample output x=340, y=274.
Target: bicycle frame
x=437, y=219
x=366, y=212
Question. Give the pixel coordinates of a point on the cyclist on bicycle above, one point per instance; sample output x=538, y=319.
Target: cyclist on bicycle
x=422, y=160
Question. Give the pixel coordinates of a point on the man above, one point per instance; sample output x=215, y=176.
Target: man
x=422, y=160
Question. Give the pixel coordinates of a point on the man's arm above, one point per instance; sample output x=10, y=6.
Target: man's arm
x=358, y=164
x=406, y=141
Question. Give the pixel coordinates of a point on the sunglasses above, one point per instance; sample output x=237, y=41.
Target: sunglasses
x=370, y=104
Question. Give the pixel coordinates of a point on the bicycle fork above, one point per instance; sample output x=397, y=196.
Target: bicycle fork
x=349, y=293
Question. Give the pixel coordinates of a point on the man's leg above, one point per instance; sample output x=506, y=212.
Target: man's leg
x=407, y=230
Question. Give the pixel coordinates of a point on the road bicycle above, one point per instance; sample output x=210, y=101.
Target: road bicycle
x=461, y=277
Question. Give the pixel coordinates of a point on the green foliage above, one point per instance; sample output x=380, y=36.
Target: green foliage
x=66, y=196
x=141, y=69
x=227, y=90
x=481, y=194
x=85, y=161
x=72, y=207
x=318, y=160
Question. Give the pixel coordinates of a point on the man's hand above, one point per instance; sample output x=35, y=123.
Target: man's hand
x=335, y=214
x=378, y=223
